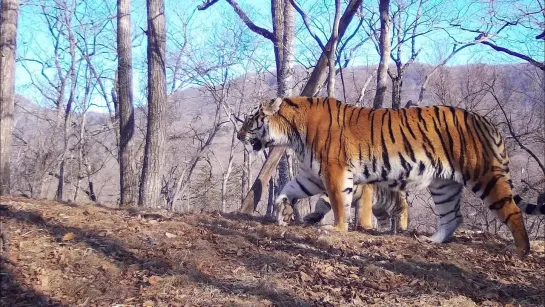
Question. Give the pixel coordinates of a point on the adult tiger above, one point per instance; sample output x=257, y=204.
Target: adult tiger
x=389, y=207
x=440, y=148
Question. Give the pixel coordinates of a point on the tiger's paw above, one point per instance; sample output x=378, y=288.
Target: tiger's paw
x=284, y=213
x=367, y=230
x=336, y=228
x=431, y=239
x=313, y=218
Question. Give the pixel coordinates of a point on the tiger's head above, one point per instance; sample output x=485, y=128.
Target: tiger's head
x=257, y=129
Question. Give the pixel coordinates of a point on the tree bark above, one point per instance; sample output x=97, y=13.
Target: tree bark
x=9, y=12
x=283, y=30
x=319, y=74
x=68, y=109
x=333, y=49
x=384, y=47
x=245, y=174
x=127, y=182
x=150, y=183
x=397, y=84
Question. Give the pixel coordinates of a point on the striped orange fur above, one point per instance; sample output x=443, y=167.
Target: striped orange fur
x=339, y=145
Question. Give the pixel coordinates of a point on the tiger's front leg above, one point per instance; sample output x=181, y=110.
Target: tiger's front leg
x=340, y=188
x=300, y=187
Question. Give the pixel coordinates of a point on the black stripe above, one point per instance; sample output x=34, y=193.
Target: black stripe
x=454, y=210
x=405, y=164
x=344, y=114
x=427, y=141
x=384, y=174
x=351, y=114
x=359, y=111
x=372, y=121
x=408, y=147
x=497, y=205
x=449, y=198
x=421, y=119
x=338, y=103
x=303, y=187
x=449, y=136
x=489, y=187
x=291, y=103
x=452, y=219
x=385, y=157
x=328, y=129
x=445, y=150
x=421, y=168
x=390, y=126
x=310, y=100
x=348, y=190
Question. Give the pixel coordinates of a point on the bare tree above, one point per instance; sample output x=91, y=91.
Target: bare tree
x=150, y=181
x=514, y=32
x=283, y=17
x=315, y=80
x=124, y=86
x=65, y=16
x=384, y=52
x=9, y=12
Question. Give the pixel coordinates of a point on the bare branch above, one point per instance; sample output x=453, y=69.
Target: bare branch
x=206, y=4
x=540, y=65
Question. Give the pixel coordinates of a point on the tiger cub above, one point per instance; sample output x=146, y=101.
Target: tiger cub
x=389, y=207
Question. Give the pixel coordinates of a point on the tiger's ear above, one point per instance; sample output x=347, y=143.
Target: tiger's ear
x=272, y=106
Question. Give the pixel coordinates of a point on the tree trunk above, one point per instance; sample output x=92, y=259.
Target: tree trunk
x=333, y=50
x=68, y=109
x=283, y=30
x=127, y=182
x=316, y=79
x=246, y=177
x=150, y=183
x=397, y=84
x=9, y=12
x=359, y=101
x=384, y=46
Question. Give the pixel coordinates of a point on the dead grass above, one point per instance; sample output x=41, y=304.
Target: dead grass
x=88, y=255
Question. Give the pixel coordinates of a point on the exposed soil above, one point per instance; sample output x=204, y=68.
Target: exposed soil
x=59, y=254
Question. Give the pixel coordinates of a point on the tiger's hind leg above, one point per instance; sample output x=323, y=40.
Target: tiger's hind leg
x=446, y=196
x=340, y=188
x=403, y=216
x=497, y=194
x=364, y=206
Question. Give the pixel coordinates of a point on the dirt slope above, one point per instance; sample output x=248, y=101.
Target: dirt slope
x=92, y=256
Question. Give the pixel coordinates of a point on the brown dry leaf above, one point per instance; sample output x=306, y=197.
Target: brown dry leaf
x=69, y=236
x=153, y=280
x=304, y=276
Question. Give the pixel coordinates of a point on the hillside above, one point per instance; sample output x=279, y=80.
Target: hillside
x=81, y=255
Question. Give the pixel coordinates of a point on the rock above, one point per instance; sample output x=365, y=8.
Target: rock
x=170, y=235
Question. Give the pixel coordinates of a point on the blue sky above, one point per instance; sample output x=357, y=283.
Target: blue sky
x=34, y=42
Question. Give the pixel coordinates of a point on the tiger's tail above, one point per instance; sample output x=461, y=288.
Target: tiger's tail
x=528, y=208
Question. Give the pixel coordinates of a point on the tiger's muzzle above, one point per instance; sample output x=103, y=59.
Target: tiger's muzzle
x=242, y=136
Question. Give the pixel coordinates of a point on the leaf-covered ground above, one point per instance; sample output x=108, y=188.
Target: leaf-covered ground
x=93, y=256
